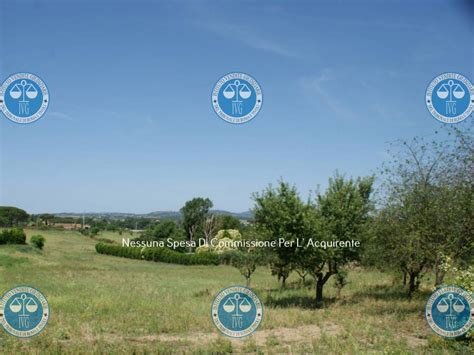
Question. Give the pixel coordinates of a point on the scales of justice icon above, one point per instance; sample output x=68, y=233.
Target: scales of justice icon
x=451, y=304
x=23, y=91
x=237, y=90
x=234, y=304
x=25, y=305
x=450, y=89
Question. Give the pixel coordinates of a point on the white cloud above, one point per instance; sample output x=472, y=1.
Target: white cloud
x=319, y=86
x=250, y=38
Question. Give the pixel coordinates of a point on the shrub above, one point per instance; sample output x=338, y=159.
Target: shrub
x=94, y=231
x=37, y=241
x=13, y=236
x=224, y=239
x=158, y=254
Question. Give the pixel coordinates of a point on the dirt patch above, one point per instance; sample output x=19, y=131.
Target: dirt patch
x=262, y=338
x=414, y=341
x=306, y=333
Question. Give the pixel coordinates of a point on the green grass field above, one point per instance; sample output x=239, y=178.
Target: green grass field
x=107, y=304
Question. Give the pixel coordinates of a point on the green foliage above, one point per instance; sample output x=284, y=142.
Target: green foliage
x=465, y=279
x=246, y=262
x=228, y=222
x=46, y=218
x=343, y=211
x=194, y=214
x=12, y=216
x=164, y=230
x=427, y=208
x=280, y=268
x=340, y=281
x=37, y=241
x=94, y=231
x=13, y=236
x=340, y=214
x=158, y=254
x=280, y=213
x=223, y=237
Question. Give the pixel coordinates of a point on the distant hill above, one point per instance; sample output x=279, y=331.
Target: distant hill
x=175, y=215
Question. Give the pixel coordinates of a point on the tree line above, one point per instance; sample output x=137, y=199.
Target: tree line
x=416, y=217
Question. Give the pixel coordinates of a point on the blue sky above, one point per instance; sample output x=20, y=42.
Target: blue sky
x=130, y=127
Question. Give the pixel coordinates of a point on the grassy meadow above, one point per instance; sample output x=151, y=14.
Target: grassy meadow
x=106, y=304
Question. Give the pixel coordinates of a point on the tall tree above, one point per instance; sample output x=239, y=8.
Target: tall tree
x=12, y=216
x=194, y=214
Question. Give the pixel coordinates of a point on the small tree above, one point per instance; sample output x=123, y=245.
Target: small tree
x=246, y=262
x=94, y=231
x=281, y=269
x=301, y=271
x=37, y=241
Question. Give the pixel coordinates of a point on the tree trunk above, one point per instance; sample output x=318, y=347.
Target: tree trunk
x=404, y=278
x=283, y=281
x=321, y=279
x=413, y=283
x=319, y=291
x=191, y=231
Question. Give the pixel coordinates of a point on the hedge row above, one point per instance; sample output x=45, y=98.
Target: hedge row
x=13, y=236
x=158, y=254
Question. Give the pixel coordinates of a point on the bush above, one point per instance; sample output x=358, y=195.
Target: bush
x=37, y=241
x=158, y=254
x=13, y=236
